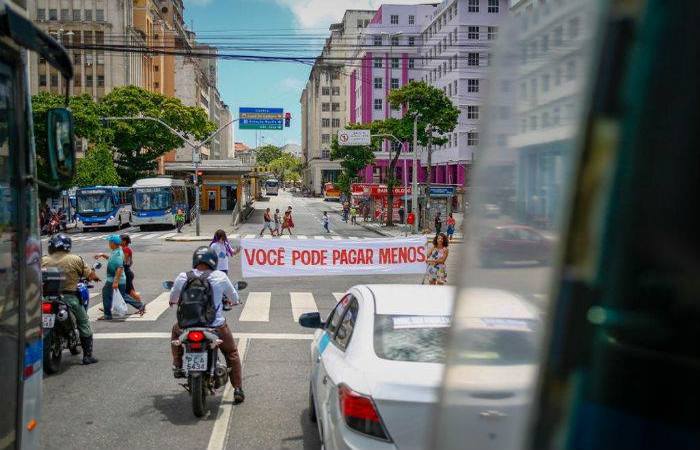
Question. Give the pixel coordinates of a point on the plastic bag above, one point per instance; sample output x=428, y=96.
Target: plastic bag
x=118, y=304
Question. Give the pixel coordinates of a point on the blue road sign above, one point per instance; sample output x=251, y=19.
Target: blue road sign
x=261, y=118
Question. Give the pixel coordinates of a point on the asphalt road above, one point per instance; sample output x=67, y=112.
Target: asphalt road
x=129, y=400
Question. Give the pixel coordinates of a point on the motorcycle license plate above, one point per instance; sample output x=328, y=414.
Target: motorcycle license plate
x=47, y=320
x=196, y=362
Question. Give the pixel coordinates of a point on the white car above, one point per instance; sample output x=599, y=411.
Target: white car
x=377, y=366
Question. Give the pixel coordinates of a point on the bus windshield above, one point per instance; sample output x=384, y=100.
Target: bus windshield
x=271, y=183
x=152, y=199
x=94, y=201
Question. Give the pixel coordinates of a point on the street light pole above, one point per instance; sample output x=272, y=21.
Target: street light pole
x=196, y=153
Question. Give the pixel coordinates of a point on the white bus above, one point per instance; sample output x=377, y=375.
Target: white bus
x=272, y=187
x=156, y=201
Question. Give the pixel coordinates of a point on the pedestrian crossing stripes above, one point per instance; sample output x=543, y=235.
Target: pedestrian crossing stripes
x=256, y=307
x=135, y=236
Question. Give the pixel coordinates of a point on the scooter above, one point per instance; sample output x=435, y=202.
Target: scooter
x=205, y=369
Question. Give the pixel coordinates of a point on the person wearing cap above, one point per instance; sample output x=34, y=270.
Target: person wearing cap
x=116, y=278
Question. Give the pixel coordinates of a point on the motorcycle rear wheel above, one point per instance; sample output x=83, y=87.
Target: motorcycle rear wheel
x=53, y=350
x=199, y=395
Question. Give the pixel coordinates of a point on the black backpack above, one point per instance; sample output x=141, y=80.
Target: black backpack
x=196, y=305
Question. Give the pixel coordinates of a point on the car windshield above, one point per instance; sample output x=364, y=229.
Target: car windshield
x=270, y=183
x=152, y=199
x=498, y=347
x=94, y=201
x=410, y=338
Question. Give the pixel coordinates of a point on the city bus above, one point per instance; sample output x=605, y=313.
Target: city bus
x=272, y=187
x=156, y=201
x=103, y=207
x=20, y=246
x=331, y=192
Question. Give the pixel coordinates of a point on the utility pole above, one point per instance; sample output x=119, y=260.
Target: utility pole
x=414, y=181
x=196, y=153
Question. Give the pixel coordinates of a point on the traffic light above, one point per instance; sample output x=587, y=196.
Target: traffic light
x=287, y=119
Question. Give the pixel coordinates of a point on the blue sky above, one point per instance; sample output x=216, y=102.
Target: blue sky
x=268, y=84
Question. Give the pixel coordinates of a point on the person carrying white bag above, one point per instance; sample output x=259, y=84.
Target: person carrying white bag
x=114, y=295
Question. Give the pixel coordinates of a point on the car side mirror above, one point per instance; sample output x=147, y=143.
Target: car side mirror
x=311, y=320
x=61, y=144
x=168, y=284
x=240, y=285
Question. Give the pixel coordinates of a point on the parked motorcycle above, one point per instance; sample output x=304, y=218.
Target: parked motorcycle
x=58, y=323
x=204, y=366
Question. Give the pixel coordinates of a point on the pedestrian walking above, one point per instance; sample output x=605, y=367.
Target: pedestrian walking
x=346, y=211
x=116, y=278
x=179, y=219
x=287, y=223
x=353, y=215
x=326, y=222
x=128, y=263
x=267, y=224
x=365, y=212
x=437, y=257
x=278, y=221
x=378, y=214
x=401, y=213
x=223, y=249
x=438, y=223
x=451, y=222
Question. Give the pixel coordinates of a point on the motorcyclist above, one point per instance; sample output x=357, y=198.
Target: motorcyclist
x=74, y=268
x=205, y=260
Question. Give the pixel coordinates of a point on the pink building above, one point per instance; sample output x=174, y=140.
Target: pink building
x=387, y=56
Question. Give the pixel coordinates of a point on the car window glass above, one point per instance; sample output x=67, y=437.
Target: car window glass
x=342, y=337
x=337, y=314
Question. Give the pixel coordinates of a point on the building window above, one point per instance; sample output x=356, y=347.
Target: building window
x=378, y=83
x=556, y=116
x=394, y=83
x=472, y=138
x=335, y=107
x=100, y=15
x=325, y=107
x=325, y=90
x=54, y=80
x=42, y=80
x=336, y=123
x=377, y=40
x=454, y=89
x=325, y=138
x=394, y=41
x=394, y=19
x=493, y=6
x=545, y=82
x=411, y=20
x=473, y=6
x=359, y=23
x=89, y=59
x=557, y=76
x=472, y=112
x=411, y=63
x=88, y=15
x=473, y=33
x=571, y=70
x=492, y=33
x=325, y=123
x=76, y=58
x=325, y=153
x=40, y=14
x=574, y=27
x=101, y=59
x=76, y=15
x=394, y=63
x=545, y=120
x=378, y=104
x=335, y=90
x=88, y=80
x=65, y=14
x=473, y=85
x=377, y=63
x=473, y=59
x=533, y=123
x=101, y=81
x=558, y=36
x=411, y=41
x=53, y=14
x=76, y=81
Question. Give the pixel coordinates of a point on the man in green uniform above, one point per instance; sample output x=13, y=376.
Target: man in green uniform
x=74, y=268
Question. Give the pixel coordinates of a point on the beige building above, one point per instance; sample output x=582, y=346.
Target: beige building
x=324, y=108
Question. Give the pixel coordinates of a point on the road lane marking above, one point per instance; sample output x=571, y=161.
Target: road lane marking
x=166, y=335
x=256, y=308
x=92, y=238
x=249, y=236
x=94, y=313
x=153, y=309
x=302, y=302
x=354, y=238
x=285, y=236
x=267, y=236
x=320, y=238
x=301, y=236
x=336, y=238
x=219, y=433
x=145, y=236
x=165, y=236
x=338, y=295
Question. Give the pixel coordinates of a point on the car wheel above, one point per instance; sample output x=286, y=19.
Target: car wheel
x=312, y=407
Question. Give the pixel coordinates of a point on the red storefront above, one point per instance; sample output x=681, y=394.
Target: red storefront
x=376, y=196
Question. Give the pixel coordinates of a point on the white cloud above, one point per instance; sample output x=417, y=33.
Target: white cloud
x=321, y=13
x=291, y=84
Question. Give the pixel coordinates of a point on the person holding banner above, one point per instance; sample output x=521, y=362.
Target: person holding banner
x=437, y=258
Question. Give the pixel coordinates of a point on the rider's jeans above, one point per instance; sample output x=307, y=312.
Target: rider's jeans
x=228, y=349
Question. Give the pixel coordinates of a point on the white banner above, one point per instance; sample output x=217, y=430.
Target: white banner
x=278, y=257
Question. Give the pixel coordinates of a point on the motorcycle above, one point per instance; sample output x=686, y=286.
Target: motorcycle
x=205, y=367
x=58, y=323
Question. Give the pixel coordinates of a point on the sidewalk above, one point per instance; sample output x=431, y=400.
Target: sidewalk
x=399, y=230
x=208, y=224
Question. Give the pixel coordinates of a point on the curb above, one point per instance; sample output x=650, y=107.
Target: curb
x=188, y=238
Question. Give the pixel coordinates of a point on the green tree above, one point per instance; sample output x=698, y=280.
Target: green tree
x=354, y=158
x=138, y=143
x=285, y=166
x=96, y=168
x=267, y=153
x=436, y=115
